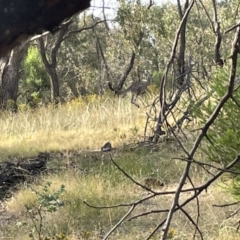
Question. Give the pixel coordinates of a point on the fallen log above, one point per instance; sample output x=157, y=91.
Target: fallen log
x=18, y=171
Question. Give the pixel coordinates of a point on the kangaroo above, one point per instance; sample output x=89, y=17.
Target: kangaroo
x=136, y=89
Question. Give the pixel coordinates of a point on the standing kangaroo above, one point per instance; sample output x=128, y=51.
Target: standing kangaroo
x=136, y=89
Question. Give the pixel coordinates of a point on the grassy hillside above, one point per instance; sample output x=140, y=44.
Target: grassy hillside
x=74, y=130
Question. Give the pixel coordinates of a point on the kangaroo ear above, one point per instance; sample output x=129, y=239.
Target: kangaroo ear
x=150, y=77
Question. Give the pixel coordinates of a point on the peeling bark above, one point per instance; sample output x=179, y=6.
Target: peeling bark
x=9, y=70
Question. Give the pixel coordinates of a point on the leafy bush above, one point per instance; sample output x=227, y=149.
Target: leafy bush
x=34, y=77
x=223, y=141
x=46, y=202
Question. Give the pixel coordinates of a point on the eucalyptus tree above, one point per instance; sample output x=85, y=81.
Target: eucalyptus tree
x=127, y=38
x=63, y=54
x=49, y=59
x=9, y=76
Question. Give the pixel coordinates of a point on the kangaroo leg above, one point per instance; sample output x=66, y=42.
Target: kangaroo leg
x=133, y=101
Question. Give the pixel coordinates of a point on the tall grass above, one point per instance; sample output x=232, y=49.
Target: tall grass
x=86, y=123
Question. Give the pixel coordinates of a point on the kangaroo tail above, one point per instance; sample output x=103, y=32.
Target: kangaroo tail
x=112, y=89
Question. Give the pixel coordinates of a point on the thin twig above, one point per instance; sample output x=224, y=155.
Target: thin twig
x=226, y=205
x=128, y=176
x=122, y=205
x=119, y=222
x=192, y=221
x=156, y=229
x=147, y=213
x=201, y=164
x=232, y=28
x=198, y=210
x=235, y=101
x=234, y=213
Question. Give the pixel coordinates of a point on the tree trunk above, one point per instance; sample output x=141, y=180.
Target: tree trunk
x=54, y=81
x=9, y=70
x=181, y=55
x=51, y=63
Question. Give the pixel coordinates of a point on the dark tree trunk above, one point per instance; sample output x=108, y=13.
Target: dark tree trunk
x=218, y=37
x=9, y=70
x=181, y=55
x=50, y=65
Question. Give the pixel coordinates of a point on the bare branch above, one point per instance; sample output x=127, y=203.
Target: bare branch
x=151, y=3
x=119, y=222
x=208, y=165
x=198, y=212
x=84, y=29
x=192, y=221
x=147, y=213
x=104, y=15
x=208, y=16
x=155, y=229
x=232, y=28
x=235, y=101
x=226, y=205
x=234, y=213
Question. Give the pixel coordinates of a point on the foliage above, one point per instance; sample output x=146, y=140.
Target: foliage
x=33, y=77
x=223, y=142
x=81, y=68
x=46, y=202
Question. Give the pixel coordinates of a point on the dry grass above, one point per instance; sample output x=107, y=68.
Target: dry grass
x=88, y=124
x=104, y=185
